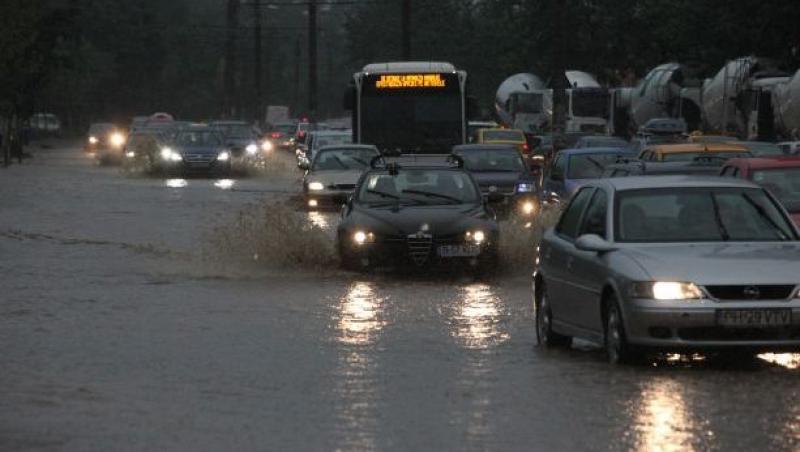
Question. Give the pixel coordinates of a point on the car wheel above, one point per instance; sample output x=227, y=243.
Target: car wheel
x=618, y=350
x=544, y=325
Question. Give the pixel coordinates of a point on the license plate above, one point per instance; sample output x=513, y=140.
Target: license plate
x=749, y=318
x=459, y=250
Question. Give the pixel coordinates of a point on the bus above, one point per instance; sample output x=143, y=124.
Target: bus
x=411, y=107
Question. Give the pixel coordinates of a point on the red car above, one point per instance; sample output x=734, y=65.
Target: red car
x=779, y=175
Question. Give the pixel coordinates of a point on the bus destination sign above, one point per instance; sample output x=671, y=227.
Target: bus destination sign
x=401, y=81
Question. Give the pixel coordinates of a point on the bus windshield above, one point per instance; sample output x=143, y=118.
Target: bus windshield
x=420, y=119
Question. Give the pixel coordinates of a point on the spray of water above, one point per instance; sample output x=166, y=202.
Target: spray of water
x=519, y=239
x=274, y=235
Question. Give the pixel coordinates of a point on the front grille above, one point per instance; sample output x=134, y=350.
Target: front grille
x=419, y=247
x=738, y=334
x=751, y=292
x=198, y=158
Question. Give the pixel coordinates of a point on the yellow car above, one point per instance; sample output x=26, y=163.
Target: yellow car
x=504, y=136
x=686, y=152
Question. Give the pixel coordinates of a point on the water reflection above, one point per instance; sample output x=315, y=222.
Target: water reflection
x=663, y=422
x=787, y=360
x=319, y=220
x=225, y=184
x=359, y=315
x=176, y=183
x=479, y=320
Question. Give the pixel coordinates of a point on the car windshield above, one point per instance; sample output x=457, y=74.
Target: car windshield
x=284, y=128
x=764, y=149
x=504, y=160
x=331, y=140
x=503, y=135
x=603, y=142
x=419, y=186
x=235, y=130
x=689, y=156
x=699, y=215
x=589, y=166
x=198, y=138
x=343, y=159
x=784, y=183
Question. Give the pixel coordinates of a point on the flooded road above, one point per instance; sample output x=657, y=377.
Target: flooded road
x=122, y=327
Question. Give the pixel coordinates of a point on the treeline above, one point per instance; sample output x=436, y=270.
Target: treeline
x=493, y=39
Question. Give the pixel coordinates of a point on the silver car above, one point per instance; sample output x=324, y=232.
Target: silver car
x=334, y=172
x=670, y=263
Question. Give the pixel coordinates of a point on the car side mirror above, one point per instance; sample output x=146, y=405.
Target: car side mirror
x=593, y=243
x=303, y=164
x=495, y=197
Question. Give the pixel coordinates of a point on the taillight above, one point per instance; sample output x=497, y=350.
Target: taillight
x=526, y=149
x=275, y=135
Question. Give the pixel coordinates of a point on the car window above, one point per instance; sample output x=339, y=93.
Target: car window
x=699, y=215
x=594, y=222
x=589, y=166
x=569, y=222
x=504, y=160
x=343, y=159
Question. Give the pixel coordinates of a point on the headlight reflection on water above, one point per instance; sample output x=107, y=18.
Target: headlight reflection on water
x=479, y=319
x=225, y=184
x=359, y=319
x=176, y=183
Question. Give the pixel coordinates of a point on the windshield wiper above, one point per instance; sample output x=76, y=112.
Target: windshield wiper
x=453, y=199
x=722, y=230
x=763, y=214
x=383, y=194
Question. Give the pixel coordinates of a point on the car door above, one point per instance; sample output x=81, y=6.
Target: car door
x=588, y=270
x=557, y=257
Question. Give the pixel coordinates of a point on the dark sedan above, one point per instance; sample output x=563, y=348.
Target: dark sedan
x=419, y=216
x=501, y=169
x=196, y=149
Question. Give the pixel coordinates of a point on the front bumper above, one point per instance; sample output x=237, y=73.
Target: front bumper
x=408, y=253
x=694, y=325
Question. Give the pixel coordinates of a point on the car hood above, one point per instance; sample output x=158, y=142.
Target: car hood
x=441, y=220
x=346, y=177
x=497, y=179
x=720, y=263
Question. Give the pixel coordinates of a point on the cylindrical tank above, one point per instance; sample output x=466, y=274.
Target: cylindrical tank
x=517, y=83
x=786, y=99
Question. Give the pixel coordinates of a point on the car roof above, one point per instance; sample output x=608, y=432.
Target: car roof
x=322, y=133
x=399, y=67
x=672, y=181
x=696, y=147
x=788, y=161
x=598, y=150
x=229, y=123
x=484, y=147
x=333, y=147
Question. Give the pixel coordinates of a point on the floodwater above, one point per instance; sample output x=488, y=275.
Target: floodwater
x=124, y=325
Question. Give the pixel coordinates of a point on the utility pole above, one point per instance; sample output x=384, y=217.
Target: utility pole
x=296, y=78
x=557, y=69
x=312, y=58
x=259, y=94
x=406, y=29
x=229, y=76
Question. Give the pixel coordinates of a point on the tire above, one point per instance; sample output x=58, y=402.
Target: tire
x=544, y=324
x=617, y=348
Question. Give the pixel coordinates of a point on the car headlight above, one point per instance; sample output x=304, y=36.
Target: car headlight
x=130, y=154
x=524, y=188
x=224, y=156
x=476, y=236
x=93, y=140
x=316, y=186
x=666, y=290
x=166, y=153
x=363, y=237
x=117, y=139
x=267, y=146
x=251, y=149
x=528, y=207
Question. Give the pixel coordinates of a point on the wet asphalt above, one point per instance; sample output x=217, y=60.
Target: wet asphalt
x=121, y=330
